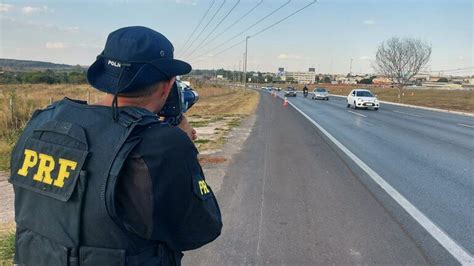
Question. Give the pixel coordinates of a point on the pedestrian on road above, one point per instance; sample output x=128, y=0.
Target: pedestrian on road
x=109, y=183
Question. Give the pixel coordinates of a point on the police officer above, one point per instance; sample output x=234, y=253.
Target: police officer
x=109, y=184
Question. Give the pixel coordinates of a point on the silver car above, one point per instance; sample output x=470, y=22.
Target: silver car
x=320, y=94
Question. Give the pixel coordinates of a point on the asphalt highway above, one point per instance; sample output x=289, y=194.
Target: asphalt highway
x=427, y=156
x=289, y=198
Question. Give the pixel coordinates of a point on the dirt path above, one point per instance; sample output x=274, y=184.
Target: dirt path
x=6, y=201
x=215, y=162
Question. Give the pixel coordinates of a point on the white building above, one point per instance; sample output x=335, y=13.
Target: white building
x=346, y=80
x=302, y=77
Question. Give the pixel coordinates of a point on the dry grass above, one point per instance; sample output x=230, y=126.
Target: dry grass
x=224, y=101
x=454, y=100
x=18, y=102
x=217, y=112
x=7, y=244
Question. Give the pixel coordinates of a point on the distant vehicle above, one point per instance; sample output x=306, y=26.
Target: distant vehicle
x=264, y=88
x=290, y=92
x=320, y=94
x=362, y=98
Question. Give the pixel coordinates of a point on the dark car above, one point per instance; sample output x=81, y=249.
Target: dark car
x=290, y=92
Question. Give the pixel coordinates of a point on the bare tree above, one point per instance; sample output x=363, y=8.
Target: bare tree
x=401, y=59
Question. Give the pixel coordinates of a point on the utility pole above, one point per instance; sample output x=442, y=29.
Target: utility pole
x=350, y=69
x=245, y=63
x=240, y=74
x=233, y=75
x=243, y=67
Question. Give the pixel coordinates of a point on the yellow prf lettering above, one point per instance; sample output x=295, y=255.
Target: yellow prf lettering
x=31, y=159
x=46, y=166
x=63, y=171
x=203, y=187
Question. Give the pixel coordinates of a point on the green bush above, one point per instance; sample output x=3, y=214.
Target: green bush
x=44, y=77
x=7, y=248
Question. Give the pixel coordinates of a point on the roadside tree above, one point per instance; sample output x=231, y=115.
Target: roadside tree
x=326, y=79
x=401, y=59
x=366, y=80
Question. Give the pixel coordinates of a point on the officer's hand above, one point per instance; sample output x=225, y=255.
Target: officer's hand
x=186, y=127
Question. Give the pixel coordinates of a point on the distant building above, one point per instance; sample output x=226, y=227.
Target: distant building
x=281, y=72
x=433, y=79
x=441, y=86
x=302, y=77
x=422, y=77
x=312, y=69
x=381, y=81
x=346, y=80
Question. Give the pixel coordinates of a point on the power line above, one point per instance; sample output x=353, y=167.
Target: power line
x=283, y=19
x=217, y=25
x=267, y=28
x=213, y=16
x=227, y=49
x=251, y=26
x=238, y=20
x=197, y=26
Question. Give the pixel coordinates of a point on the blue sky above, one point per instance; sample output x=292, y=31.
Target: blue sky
x=326, y=35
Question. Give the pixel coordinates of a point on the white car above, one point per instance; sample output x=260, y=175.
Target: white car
x=362, y=98
x=320, y=93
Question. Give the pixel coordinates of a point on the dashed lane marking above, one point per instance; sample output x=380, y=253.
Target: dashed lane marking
x=357, y=114
x=407, y=114
x=464, y=125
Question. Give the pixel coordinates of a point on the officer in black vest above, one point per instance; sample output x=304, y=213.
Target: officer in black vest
x=109, y=184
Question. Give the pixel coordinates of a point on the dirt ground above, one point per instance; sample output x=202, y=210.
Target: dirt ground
x=6, y=203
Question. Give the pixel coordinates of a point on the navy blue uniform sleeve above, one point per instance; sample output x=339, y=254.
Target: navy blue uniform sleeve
x=185, y=213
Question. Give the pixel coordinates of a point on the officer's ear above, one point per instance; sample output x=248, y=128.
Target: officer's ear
x=166, y=87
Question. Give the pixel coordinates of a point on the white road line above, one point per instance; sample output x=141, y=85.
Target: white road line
x=407, y=114
x=457, y=251
x=357, y=113
x=464, y=125
x=262, y=198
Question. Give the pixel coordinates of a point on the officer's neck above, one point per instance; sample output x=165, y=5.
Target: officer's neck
x=129, y=101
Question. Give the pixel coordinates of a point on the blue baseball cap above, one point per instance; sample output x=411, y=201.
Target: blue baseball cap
x=133, y=58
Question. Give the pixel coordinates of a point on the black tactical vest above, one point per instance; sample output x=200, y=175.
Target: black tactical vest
x=64, y=170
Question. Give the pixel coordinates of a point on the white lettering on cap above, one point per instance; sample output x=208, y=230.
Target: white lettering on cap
x=114, y=64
